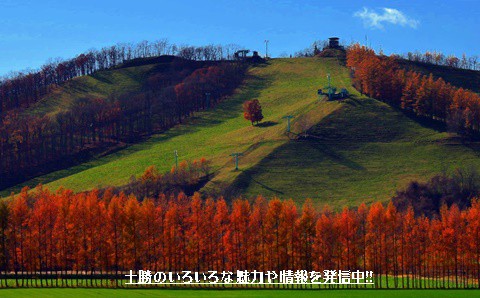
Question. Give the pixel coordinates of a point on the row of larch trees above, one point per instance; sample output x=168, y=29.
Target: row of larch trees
x=382, y=77
x=95, y=237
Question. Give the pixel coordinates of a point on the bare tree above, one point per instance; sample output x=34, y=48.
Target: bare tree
x=160, y=47
x=304, y=123
x=473, y=62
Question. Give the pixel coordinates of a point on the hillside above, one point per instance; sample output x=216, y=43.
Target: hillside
x=285, y=86
x=357, y=150
x=127, y=78
x=363, y=151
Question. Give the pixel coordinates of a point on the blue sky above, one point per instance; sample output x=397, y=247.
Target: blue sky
x=33, y=31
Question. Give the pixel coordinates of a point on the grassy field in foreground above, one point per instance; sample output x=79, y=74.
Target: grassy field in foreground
x=66, y=293
x=363, y=151
x=284, y=86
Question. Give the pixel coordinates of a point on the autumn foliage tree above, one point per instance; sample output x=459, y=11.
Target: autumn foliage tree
x=152, y=183
x=94, y=237
x=252, y=111
x=424, y=96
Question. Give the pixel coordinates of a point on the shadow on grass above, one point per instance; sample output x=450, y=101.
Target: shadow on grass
x=368, y=120
x=102, y=77
x=356, y=123
x=293, y=158
x=333, y=153
x=424, y=121
x=237, y=188
x=266, y=124
x=465, y=78
x=278, y=192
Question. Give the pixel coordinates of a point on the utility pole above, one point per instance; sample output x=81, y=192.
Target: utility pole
x=176, y=160
x=266, y=48
x=236, y=155
x=288, y=121
x=207, y=94
x=329, y=87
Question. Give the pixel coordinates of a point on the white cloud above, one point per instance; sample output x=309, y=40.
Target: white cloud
x=390, y=15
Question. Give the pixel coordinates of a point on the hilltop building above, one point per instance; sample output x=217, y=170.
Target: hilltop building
x=334, y=43
x=333, y=49
x=243, y=56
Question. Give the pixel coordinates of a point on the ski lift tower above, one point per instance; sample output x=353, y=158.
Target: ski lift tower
x=175, y=153
x=288, y=117
x=331, y=90
x=235, y=156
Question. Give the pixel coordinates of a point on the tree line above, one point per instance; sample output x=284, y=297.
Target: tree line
x=381, y=77
x=429, y=57
x=89, y=235
x=186, y=177
x=29, y=143
x=313, y=50
x=22, y=89
x=438, y=58
x=427, y=198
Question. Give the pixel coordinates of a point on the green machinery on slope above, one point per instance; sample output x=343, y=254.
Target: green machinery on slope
x=331, y=91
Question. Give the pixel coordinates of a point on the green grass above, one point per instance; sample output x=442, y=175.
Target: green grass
x=65, y=293
x=99, y=85
x=363, y=151
x=285, y=86
x=379, y=282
